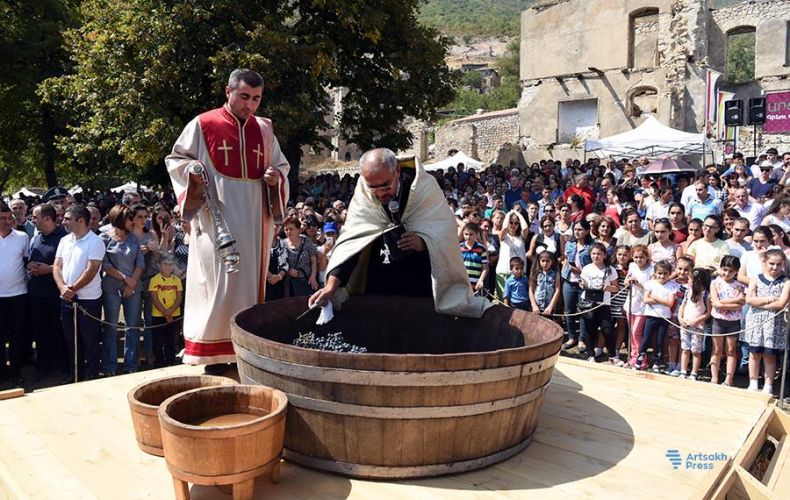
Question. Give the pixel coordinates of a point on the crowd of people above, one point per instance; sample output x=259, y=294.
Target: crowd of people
x=675, y=269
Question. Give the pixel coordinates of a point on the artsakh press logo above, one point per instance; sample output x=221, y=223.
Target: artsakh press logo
x=694, y=461
x=674, y=458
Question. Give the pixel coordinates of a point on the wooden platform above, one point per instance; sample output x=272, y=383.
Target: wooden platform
x=603, y=432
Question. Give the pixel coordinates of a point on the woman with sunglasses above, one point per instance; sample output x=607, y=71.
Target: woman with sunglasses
x=547, y=239
x=511, y=244
x=123, y=267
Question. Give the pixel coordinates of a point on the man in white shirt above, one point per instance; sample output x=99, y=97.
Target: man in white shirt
x=749, y=210
x=76, y=272
x=13, y=295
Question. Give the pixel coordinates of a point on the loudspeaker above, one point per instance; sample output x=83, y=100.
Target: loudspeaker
x=733, y=113
x=756, y=110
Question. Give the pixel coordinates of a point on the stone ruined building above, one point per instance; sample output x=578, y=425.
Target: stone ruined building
x=341, y=151
x=594, y=68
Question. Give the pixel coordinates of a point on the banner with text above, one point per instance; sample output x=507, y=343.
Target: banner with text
x=777, y=116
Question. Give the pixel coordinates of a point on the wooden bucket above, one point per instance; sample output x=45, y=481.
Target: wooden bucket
x=436, y=394
x=223, y=435
x=144, y=401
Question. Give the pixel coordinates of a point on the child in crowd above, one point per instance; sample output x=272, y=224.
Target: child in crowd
x=544, y=283
x=598, y=280
x=622, y=258
x=516, y=293
x=166, y=295
x=727, y=298
x=659, y=300
x=639, y=273
x=664, y=248
x=475, y=257
x=694, y=312
x=682, y=271
x=765, y=330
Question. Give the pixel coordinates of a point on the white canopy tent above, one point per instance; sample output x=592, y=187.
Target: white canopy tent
x=27, y=192
x=651, y=139
x=129, y=186
x=453, y=161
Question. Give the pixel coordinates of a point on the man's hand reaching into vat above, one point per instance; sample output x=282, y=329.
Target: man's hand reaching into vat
x=323, y=296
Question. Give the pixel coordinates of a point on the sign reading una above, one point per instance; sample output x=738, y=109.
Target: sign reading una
x=777, y=116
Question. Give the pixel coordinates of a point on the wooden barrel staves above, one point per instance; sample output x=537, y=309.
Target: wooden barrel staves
x=435, y=395
x=144, y=401
x=223, y=435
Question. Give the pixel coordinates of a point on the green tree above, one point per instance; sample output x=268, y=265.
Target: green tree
x=740, y=57
x=143, y=68
x=472, y=79
x=31, y=48
x=505, y=96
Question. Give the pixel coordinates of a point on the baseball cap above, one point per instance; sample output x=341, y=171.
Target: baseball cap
x=331, y=227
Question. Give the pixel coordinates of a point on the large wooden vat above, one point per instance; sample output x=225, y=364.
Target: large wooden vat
x=436, y=394
x=144, y=401
x=223, y=435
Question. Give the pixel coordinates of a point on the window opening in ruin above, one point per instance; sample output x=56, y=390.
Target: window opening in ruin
x=740, y=54
x=643, y=101
x=577, y=120
x=643, y=38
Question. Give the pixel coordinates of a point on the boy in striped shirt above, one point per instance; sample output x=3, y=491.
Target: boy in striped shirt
x=475, y=256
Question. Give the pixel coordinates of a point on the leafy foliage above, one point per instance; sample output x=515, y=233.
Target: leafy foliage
x=30, y=42
x=474, y=17
x=143, y=68
x=740, y=57
x=506, y=96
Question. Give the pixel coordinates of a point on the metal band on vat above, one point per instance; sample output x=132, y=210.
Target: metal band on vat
x=377, y=471
x=384, y=378
x=410, y=412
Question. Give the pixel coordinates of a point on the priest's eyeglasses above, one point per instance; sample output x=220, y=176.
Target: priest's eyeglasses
x=385, y=186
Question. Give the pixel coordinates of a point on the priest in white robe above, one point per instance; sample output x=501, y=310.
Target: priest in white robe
x=240, y=156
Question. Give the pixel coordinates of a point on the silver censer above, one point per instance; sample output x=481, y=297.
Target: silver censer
x=224, y=240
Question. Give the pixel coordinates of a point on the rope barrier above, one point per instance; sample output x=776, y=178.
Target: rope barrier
x=564, y=315
x=606, y=303
x=738, y=332
x=121, y=328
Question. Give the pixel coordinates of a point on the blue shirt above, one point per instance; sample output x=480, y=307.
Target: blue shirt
x=544, y=287
x=517, y=289
x=42, y=249
x=511, y=196
x=125, y=256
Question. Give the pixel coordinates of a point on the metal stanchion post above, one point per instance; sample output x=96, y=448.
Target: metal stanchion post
x=784, y=368
x=76, y=343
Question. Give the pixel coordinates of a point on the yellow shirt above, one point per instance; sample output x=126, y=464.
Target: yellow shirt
x=166, y=289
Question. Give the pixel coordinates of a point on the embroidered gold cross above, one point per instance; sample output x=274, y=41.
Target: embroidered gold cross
x=258, y=154
x=225, y=148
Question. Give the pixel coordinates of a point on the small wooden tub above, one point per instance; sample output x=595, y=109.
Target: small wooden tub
x=223, y=435
x=144, y=401
x=436, y=394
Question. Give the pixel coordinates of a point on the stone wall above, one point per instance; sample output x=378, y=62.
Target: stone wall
x=573, y=50
x=771, y=21
x=480, y=136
